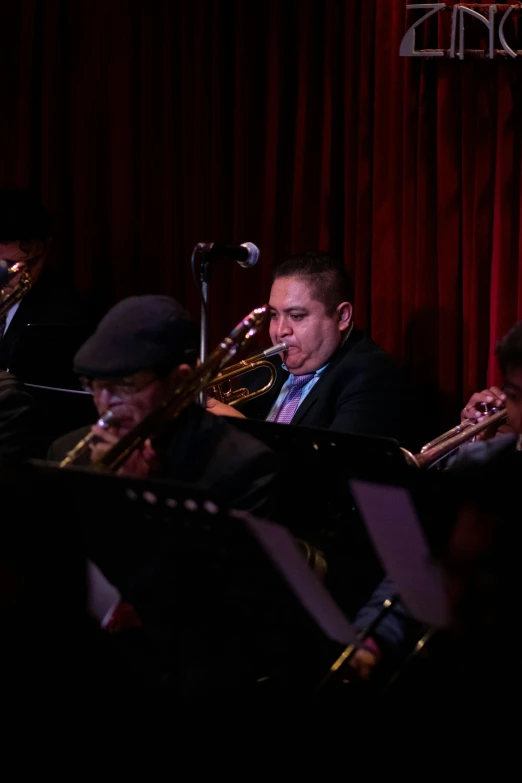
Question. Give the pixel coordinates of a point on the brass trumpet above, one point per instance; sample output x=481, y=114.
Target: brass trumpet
x=221, y=385
x=7, y=300
x=450, y=441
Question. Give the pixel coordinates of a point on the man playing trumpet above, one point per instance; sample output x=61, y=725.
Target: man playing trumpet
x=331, y=375
x=507, y=436
x=493, y=446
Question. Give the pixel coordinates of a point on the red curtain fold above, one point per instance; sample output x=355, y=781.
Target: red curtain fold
x=150, y=125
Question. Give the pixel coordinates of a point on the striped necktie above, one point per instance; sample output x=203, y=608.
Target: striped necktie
x=290, y=404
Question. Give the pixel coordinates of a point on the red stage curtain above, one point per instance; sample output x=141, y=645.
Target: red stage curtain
x=150, y=125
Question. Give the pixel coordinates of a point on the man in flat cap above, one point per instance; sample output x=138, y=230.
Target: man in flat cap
x=141, y=351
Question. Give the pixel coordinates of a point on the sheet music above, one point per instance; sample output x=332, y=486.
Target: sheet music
x=284, y=552
x=102, y=596
x=393, y=525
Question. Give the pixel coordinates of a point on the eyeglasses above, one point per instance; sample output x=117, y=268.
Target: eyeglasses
x=120, y=387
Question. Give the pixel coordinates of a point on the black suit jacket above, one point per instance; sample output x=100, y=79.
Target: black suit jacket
x=49, y=301
x=360, y=391
x=206, y=454
x=17, y=420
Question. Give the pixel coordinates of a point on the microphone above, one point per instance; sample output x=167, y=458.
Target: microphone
x=246, y=254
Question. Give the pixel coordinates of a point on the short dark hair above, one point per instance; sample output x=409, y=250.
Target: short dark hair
x=509, y=349
x=324, y=272
x=22, y=216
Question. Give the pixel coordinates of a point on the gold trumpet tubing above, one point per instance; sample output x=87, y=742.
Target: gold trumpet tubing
x=231, y=396
x=84, y=445
x=24, y=284
x=462, y=427
x=447, y=443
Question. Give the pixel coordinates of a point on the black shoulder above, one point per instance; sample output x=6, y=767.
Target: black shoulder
x=59, y=447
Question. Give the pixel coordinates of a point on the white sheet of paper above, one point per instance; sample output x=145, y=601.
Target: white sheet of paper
x=393, y=525
x=284, y=552
x=102, y=596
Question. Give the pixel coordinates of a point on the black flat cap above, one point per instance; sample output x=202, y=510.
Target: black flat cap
x=139, y=332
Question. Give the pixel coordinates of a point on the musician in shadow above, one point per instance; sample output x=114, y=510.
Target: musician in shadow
x=141, y=352
x=26, y=239
x=18, y=421
x=496, y=448
x=504, y=436
x=331, y=375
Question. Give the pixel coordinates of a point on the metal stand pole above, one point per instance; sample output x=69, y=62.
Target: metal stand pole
x=203, y=339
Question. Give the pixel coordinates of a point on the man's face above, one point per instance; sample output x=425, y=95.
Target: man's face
x=513, y=392
x=32, y=253
x=131, y=399
x=312, y=335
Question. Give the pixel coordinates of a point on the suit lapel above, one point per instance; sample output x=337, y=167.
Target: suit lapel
x=311, y=398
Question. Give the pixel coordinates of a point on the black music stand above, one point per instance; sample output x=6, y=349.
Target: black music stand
x=316, y=464
x=46, y=633
x=315, y=500
x=43, y=354
x=222, y=621
x=356, y=454
x=410, y=523
x=408, y=519
x=42, y=358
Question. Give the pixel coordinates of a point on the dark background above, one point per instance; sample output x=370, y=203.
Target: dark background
x=150, y=125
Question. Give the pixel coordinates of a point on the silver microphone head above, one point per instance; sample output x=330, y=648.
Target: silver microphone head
x=253, y=255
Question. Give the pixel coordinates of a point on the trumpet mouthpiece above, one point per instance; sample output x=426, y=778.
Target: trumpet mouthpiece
x=275, y=349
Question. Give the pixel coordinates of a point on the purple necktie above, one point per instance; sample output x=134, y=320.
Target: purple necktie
x=286, y=412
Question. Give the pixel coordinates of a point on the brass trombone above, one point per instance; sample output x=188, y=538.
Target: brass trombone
x=221, y=386
x=450, y=441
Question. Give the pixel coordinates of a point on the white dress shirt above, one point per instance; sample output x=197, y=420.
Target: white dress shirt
x=307, y=388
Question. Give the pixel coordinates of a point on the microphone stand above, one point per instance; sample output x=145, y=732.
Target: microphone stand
x=204, y=276
x=246, y=255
